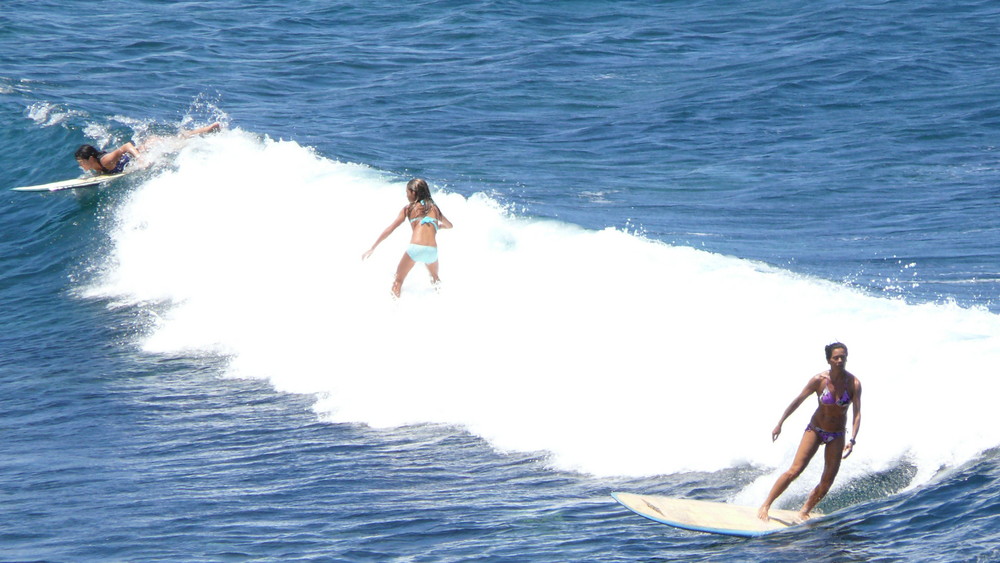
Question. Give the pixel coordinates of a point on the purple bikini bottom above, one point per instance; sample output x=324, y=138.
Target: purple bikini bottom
x=824, y=436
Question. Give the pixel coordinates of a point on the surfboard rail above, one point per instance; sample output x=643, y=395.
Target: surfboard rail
x=84, y=182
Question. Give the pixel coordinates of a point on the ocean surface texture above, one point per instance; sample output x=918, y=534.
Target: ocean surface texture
x=663, y=211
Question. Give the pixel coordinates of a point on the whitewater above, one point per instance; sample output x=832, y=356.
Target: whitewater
x=610, y=353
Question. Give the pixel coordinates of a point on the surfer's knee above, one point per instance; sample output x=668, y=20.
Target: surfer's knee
x=794, y=471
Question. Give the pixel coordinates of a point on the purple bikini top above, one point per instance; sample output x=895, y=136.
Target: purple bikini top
x=827, y=398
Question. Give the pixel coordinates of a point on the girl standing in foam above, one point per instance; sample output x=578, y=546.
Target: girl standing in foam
x=836, y=389
x=425, y=219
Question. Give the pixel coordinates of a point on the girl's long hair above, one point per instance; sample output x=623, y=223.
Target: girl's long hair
x=422, y=193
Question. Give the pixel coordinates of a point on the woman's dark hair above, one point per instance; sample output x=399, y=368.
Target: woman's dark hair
x=831, y=347
x=422, y=193
x=87, y=151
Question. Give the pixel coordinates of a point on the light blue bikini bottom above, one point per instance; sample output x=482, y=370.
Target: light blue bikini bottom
x=421, y=253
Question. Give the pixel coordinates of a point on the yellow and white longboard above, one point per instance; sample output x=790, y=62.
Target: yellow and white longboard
x=710, y=517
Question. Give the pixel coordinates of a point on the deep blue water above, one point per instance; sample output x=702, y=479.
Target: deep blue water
x=844, y=155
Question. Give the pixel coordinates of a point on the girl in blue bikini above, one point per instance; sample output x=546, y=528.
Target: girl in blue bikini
x=425, y=219
x=836, y=389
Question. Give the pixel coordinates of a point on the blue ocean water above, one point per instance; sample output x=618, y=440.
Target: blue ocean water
x=662, y=212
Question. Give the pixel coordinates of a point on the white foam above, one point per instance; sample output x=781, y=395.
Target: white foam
x=47, y=114
x=619, y=355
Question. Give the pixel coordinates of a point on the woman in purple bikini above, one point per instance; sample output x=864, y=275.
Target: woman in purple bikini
x=836, y=389
x=425, y=218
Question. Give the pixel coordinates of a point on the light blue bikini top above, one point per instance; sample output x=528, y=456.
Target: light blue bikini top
x=426, y=218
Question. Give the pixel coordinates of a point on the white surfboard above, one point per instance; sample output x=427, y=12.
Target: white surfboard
x=86, y=182
x=710, y=517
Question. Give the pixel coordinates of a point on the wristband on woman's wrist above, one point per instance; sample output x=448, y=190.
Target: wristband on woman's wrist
x=852, y=441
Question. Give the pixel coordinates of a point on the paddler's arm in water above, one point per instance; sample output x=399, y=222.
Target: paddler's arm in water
x=809, y=389
x=856, y=406
x=388, y=231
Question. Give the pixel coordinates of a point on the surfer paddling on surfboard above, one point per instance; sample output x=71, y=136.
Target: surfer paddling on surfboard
x=836, y=389
x=113, y=162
